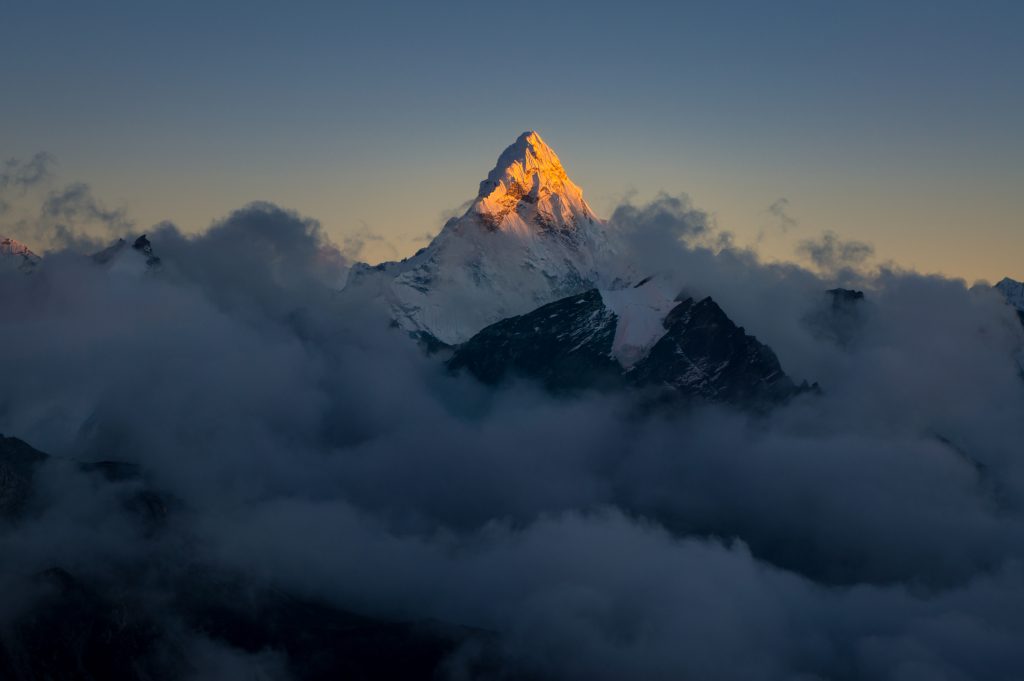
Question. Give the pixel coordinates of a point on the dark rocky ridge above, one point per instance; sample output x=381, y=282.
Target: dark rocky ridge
x=567, y=345
x=704, y=354
x=18, y=463
x=72, y=628
x=838, y=317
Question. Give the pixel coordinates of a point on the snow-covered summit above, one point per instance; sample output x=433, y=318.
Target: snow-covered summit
x=16, y=255
x=529, y=189
x=529, y=238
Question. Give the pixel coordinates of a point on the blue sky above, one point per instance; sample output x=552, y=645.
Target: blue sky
x=898, y=124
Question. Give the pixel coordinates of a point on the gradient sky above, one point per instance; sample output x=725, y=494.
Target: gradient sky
x=896, y=123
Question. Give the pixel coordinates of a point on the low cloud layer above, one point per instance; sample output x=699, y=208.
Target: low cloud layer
x=874, y=531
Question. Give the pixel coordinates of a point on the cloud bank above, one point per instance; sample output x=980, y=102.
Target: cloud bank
x=874, y=531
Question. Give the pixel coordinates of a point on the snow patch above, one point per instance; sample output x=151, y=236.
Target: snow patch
x=640, y=312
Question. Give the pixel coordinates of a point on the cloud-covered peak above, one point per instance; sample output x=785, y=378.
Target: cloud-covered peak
x=1013, y=290
x=16, y=254
x=12, y=247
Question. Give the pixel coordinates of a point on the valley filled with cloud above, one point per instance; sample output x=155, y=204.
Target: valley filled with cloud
x=214, y=455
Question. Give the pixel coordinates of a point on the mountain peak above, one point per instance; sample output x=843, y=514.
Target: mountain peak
x=9, y=246
x=14, y=253
x=529, y=188
x=1013, y=291
x=528, y=155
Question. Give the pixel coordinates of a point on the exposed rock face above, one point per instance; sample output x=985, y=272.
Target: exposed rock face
x=143, y=246
x=140, y=246
x=1013, y=291
x=18, y=462
x=568, y=345
x=704, y=354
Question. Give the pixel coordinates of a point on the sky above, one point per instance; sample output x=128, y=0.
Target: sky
x=287, y=438
x=894, y=124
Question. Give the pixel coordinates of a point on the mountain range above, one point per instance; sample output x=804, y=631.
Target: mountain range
x=529, y=282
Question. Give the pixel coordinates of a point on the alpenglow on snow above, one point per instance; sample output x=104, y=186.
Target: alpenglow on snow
x=528, y=238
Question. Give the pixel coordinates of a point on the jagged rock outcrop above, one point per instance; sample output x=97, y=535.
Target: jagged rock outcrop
x=570, y=344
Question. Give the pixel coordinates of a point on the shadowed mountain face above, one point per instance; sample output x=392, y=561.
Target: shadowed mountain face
x=19, y=464
x=568, y=345
x=114, y=632
x=75, y=632
x=1013, y=291
x=17, y=468
x=113, y=628
x=704, y=354
x=838, y=317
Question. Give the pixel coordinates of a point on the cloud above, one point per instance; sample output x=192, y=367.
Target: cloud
x=872, y=531
x=18, y=178
x=672, y=217
x=22, y=175
x=831, y=254
x=457, y=211
x=354, y=244
x=70, y=218
x=76, y=205
x=779, y=210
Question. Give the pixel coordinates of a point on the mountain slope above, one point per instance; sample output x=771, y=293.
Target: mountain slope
x=15, y=255
x=566, y=344
x=17, y=467
x=1013, y=291
x=703, y=353
x=528, y=238
x=140, y=246
x=573, y=343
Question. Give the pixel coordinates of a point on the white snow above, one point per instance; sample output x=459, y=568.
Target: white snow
x=640, y=312
x=528, y=239
x=16, y=255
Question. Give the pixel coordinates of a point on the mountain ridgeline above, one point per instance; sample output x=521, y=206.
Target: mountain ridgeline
x=569, y=345
x=529, y=282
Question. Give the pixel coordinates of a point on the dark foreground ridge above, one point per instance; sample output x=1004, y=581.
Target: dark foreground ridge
x=66, y=626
